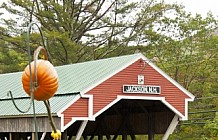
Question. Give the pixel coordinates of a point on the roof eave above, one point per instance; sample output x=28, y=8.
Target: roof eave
x=27, y=116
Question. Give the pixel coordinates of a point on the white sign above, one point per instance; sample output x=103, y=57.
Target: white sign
x=141, y=79
x=141, y=89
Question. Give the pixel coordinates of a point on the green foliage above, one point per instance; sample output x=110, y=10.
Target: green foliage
x=10, y=60
x=184, y=46
x=78, y=31
x=212, y=128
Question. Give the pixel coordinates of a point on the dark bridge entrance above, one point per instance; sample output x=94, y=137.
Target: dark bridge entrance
x=128, y=117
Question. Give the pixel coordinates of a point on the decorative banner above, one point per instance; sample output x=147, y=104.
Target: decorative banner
x=148, y=89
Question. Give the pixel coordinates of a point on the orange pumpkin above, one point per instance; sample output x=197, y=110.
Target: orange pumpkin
x=47, y=80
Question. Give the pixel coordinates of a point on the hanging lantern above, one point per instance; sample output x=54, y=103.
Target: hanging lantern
x=45, y=81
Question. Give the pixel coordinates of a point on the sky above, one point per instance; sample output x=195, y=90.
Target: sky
x=198, y=6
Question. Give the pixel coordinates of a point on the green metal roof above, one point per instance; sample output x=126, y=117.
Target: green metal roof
x=73, y=78
x=8, y=109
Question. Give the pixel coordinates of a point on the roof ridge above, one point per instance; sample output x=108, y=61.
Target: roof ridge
x=103, y=59
x=11, y=73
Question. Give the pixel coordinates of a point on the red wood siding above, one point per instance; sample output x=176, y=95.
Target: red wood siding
x=107, y=91
x=78, y=109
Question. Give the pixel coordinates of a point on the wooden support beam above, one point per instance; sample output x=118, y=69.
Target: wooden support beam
x=101, y=129
x=129, y=128
x=151, y=125
x=120, y=128
x=95, y=132
x=124, y=137
x=85, y=137
x=92, y=137
x=81, y=129
x=108, y=137
x=33, y=136
x=123, y=126
x=171, y=127
x=10, y=136
x=70, y=136
x=64, y=135
x=104, y=128
x=43, y=136
x=100, y=137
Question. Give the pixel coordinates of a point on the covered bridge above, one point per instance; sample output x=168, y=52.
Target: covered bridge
x=107, y=98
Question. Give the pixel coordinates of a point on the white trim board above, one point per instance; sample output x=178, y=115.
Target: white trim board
x=92, y=117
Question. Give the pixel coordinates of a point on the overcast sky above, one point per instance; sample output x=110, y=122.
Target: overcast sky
x=199, y=6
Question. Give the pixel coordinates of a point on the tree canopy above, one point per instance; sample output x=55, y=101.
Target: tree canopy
x=87, y=29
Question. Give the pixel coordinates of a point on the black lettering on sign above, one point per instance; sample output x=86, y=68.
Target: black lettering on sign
x=141, y=89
